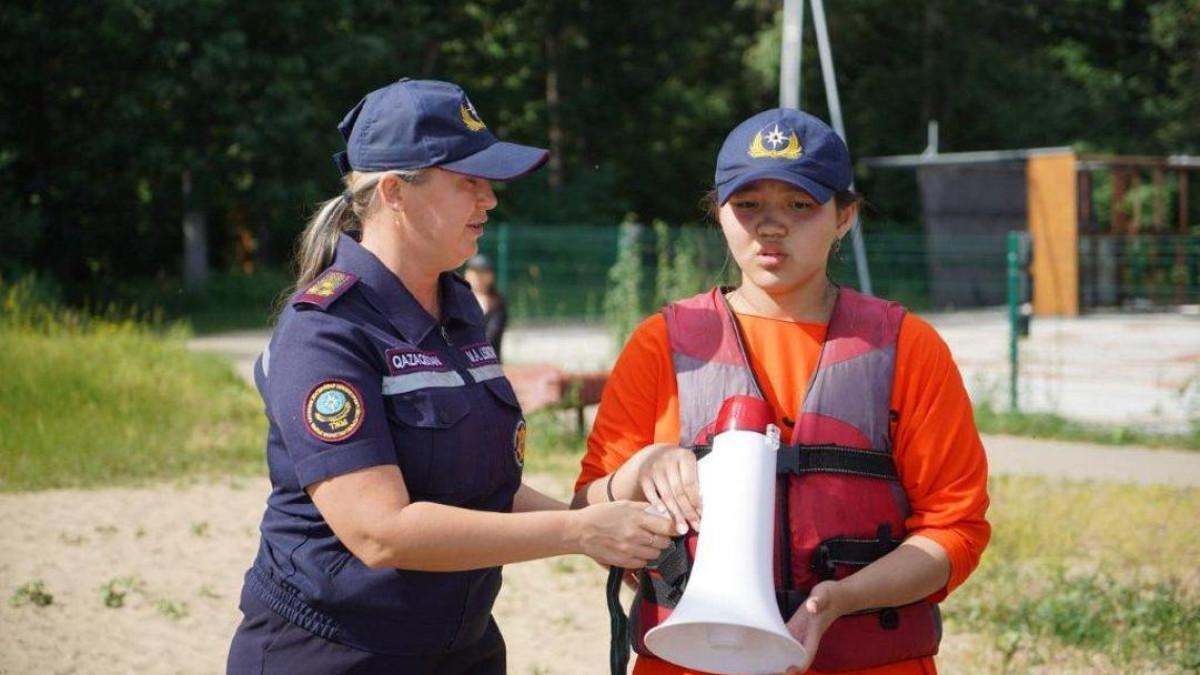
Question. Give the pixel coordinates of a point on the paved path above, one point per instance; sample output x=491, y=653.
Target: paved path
x=1085, y=461
x=588, y=347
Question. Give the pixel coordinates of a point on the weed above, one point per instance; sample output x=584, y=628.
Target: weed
x=199, y=529
x=113, y=591
x=171, y=609
x=107, y=530
x=32, y=593
x=72, y=539
x=206, y=591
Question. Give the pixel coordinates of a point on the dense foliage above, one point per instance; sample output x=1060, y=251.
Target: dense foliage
x=110, y=107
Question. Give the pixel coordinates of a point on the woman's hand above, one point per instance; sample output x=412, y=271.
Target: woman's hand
x=669, y=478
x=823, y=606
x=622, y=533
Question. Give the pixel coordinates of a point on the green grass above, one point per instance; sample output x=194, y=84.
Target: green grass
x=1079, y=571
x=990, y=420
x=553, y=444
x=114, y=399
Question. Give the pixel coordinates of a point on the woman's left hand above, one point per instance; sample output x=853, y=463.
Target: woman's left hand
x=823, y=606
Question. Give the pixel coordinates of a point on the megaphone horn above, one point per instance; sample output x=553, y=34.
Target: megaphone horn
x=727, y=621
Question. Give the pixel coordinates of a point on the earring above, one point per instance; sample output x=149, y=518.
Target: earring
x=837, y=245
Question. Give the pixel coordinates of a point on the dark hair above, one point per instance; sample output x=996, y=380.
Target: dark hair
x=844, y=200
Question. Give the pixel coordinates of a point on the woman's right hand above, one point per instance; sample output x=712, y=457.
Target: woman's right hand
x=669, y=478
x=623, y=533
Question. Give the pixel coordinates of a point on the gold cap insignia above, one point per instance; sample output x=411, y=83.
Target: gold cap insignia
x=470, y=116
x=776, y=145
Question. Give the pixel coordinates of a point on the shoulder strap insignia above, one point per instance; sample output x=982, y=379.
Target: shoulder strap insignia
x=327, y=287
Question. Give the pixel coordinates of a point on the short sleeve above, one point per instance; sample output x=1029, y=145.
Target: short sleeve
x=939, y=454
x=325, y=394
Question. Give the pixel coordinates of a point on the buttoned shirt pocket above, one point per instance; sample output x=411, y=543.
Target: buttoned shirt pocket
x=436, y=444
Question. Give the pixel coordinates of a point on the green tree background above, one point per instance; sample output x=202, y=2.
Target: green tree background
x=109, y=106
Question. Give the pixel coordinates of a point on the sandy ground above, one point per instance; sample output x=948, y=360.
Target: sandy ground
x=187, y=546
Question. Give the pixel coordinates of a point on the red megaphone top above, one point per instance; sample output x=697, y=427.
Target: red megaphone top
x=744, y=413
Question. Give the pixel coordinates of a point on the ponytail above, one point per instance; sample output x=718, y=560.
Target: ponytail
x=344, y=213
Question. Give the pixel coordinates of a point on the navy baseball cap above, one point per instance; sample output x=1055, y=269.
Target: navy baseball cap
x=788, y=145
x=417, y=124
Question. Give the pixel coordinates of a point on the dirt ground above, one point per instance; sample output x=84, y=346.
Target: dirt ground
x=188, y=546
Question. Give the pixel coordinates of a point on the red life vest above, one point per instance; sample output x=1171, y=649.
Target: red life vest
x=840, y=502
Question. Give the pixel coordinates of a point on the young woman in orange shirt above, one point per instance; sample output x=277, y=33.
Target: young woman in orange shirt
x=882, y=496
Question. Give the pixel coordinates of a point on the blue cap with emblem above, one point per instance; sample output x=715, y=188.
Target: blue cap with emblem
x=417, y=124
x=788, y=145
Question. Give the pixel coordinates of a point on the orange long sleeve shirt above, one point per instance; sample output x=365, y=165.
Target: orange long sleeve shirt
x=938, y=453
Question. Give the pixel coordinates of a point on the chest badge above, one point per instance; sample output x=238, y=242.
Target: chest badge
x=519, y=443
x=333, y=411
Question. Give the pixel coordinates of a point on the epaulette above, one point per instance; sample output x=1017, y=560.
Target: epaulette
x=327, y=287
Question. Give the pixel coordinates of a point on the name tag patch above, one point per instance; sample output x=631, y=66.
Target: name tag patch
x=480, y=354
x=406, y=360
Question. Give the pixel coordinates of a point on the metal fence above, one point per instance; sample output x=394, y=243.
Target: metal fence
x=562, y=272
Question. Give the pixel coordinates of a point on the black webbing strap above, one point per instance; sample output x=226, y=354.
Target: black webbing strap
x=789, y=602
x=802, y=459
x=665, y=589
x=618, y=652
x=852, y=552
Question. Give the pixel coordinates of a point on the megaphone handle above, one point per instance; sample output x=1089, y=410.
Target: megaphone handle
x=618, y=653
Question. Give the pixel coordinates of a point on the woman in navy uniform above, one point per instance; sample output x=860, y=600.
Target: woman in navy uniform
x=395, y=443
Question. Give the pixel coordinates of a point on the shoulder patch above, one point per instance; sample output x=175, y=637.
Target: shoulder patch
x=333, y=411
x=327, y=287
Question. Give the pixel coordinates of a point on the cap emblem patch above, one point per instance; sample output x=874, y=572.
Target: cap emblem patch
x=775, y=143
x=334, y=411
x=470, y=116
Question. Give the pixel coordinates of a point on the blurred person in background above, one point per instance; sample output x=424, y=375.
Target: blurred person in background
x=881, y=491
x=395, y=443
x=481, y=275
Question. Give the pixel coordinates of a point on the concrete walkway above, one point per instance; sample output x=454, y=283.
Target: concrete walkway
x=1117, y=381
x=1021, y=456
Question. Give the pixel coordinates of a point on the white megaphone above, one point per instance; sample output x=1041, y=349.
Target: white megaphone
x=727, y=620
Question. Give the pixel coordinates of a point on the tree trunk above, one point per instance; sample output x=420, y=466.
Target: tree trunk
x=195, y=239
x=554, y=168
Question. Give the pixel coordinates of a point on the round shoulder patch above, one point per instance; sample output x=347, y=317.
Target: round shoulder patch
x=333, y=411
x=519, y=443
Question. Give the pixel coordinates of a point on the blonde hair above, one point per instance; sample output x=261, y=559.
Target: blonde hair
x=344, y=213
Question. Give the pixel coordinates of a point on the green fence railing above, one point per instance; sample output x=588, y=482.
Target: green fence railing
x=561, y=272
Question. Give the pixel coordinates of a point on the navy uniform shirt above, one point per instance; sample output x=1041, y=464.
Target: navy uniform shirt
x=358, y=374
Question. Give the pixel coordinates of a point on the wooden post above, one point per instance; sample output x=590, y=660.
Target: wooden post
x=1054, y=225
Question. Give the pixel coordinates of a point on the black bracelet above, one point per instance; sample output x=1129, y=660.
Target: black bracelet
x=608, y=487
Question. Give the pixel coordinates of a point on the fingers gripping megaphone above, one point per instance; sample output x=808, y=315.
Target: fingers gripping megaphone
x=727, y=620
